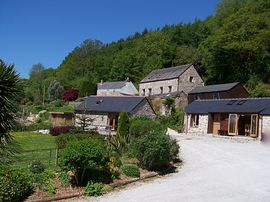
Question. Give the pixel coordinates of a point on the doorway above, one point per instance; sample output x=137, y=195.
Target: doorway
x=244, y=125
x=113, y=121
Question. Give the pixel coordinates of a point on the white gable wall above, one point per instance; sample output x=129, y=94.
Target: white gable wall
x=129, y=89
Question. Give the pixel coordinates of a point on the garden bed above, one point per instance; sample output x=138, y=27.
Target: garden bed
x=71, y=192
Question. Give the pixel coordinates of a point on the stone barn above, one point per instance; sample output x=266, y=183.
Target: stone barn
x=103, y=112
x=174, y=82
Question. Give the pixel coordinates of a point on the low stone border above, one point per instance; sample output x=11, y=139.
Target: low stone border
x=113, y=185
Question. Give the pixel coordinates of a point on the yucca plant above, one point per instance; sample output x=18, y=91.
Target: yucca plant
x=9, y=91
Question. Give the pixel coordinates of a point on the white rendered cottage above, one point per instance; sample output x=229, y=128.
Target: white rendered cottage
x=117, y=88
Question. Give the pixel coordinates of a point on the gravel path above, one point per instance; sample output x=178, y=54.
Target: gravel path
x=214, y=170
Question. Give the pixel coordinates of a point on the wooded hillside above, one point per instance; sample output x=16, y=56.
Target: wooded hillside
x=233, y=45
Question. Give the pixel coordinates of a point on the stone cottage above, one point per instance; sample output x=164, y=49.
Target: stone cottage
x=103, y=112
x=218, y=91
x=117, y=88
x=234, y=117
x=175, y=82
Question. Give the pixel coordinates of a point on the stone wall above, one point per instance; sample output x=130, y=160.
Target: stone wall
x=99, y=122
x=189, y=80
x=201, y=128
x=185, y=82
x=155, y=86
x=266, y=125
x=144, y=109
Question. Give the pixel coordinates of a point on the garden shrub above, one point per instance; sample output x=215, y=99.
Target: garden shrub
x=113, y=166
x=49, y=187
x=37, y=166
x=41, y=125
x=153, y=150
x=15, y=184
x=64, y=179
x=70, y=94
x=131, y=171
x=62, y=139
x=175, y=120
x=141, y=126
x=119, y=143
x=57, y=130
x=174, y=150
x=39, y=179
x=93, y=189
x=86, y=158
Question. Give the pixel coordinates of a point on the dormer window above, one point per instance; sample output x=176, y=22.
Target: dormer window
x=161, y=90
x=191, y=79
x=150, y=91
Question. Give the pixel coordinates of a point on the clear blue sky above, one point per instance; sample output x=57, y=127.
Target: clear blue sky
x=45, y=31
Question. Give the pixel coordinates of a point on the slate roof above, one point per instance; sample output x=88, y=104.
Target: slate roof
x=243, y=105
x=214, y=88
x=166, y=73
x=109, y=104
x=111, y=85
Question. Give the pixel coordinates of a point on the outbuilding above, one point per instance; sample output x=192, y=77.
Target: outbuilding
x=103, y=112
x=234, y=117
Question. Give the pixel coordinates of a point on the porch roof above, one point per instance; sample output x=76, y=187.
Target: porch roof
x=243, y=105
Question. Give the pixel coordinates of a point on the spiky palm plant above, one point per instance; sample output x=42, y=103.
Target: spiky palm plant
x=9, y=90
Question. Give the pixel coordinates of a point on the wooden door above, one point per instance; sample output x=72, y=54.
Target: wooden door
x=232, y=126
x=254, y=125
x=216, y=123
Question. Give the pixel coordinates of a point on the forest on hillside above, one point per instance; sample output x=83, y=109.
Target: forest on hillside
x=233, y=45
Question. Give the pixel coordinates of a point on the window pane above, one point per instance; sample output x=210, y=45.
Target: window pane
x=232, y=123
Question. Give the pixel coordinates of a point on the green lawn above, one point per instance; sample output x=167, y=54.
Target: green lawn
x=35, y=147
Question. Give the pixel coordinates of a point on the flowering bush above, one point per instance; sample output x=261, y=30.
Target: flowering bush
x=70, y=94
x=60, y=129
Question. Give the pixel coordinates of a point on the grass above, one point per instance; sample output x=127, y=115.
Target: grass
x=38, y=144
x=33, y=141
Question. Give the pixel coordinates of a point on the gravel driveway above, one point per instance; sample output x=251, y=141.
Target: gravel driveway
x=214, y=170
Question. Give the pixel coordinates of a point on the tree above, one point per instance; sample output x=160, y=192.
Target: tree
x=55, y=90
x=239, y=49
x=36, y=83
x=83, y=121
x=9, y=90
x=70, y=95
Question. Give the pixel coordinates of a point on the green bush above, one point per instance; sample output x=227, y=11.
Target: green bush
x=86, y=158
x=62, y=139
x=141, y=126
x=131, y=171
x=153, y=150
x=42, y=125
x=93, y=189
x=64, y=179
x=39, y=179
x=49, y=187
x=15, y=184
x=175, y=120
x=37, y=166
x=174, y=150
